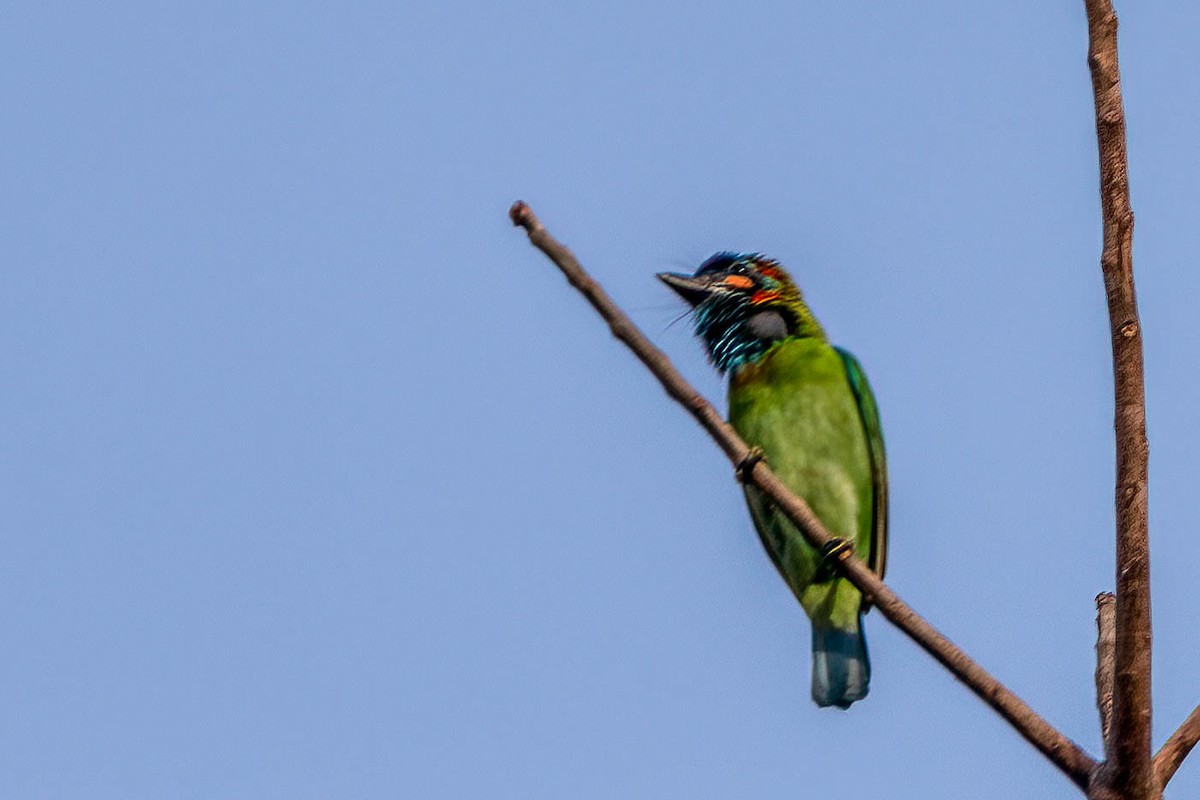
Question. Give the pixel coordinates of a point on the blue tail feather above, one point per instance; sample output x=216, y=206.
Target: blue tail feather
x=841, y=671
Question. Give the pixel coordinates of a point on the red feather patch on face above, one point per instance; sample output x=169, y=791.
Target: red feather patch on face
x=771, y=272
x=763, y=297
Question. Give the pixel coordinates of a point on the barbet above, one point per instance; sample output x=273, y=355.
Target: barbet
x=807, y=405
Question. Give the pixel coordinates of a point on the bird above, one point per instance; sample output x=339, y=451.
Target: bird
x=806, y=407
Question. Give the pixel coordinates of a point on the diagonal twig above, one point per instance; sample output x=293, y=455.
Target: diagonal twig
x=1175, y=749
x=1130, y=771
x=1059, y=749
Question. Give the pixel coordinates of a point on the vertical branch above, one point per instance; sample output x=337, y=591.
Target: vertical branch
x=1130, y=770
x=1106, y=639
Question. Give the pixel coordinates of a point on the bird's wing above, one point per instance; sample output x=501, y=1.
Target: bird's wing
x=869, y=412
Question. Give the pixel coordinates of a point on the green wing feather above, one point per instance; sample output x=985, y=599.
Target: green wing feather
x=869, y=412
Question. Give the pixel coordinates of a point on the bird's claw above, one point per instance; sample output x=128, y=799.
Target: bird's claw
x=833, y=553
x=746, y=465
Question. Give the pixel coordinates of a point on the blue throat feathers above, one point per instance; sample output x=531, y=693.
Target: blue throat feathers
x=727, y=328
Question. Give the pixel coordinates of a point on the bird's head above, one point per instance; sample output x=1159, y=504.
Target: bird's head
x=741, y=304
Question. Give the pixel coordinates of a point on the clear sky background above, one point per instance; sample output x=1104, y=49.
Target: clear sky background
x=318, y=481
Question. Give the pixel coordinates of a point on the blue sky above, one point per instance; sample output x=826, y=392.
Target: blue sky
x=318, y=481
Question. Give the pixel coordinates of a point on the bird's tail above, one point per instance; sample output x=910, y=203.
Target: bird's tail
x=841, y=670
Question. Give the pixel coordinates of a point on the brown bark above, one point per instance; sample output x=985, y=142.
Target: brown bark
x=1128, y=773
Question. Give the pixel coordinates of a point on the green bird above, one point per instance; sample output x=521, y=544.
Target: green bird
x=807, y=406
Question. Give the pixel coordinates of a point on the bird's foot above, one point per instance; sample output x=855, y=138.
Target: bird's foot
x=833, y=553
x=746, y=465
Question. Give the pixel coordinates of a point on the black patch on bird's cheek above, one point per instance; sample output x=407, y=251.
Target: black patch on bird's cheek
x=768, y=325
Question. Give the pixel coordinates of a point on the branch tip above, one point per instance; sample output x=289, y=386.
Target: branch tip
x=522, y=216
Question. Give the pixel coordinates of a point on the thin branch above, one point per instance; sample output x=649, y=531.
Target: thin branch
x=1061, y=751
x=1175, y=749
x=1106, y=640
x=1131, y=768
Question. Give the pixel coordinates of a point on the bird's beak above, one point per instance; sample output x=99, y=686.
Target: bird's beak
x=693, y=290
